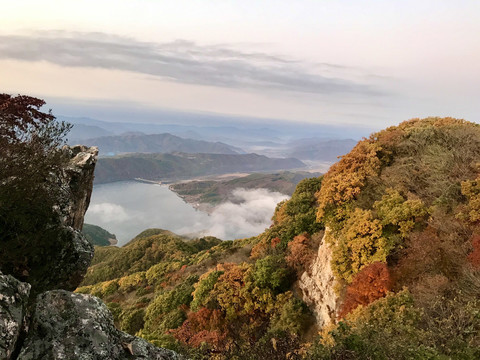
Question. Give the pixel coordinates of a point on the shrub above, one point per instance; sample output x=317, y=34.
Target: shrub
x=371, y=283
x=166, y=311
x=474, y=256
x=300, y=254
x=203, y=289
x=395, y=210
x=358, y=244
x=131, y=321
x=271, y=272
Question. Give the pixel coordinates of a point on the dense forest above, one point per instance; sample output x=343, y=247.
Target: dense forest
x=400, y=214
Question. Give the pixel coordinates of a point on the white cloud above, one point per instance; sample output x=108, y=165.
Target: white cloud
x=108, y=212
x=248, y=214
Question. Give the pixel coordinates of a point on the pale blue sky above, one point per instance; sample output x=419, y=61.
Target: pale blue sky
x=375, y=62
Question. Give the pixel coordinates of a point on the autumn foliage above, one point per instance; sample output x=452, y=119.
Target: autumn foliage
x=202, y=327
x=474, y=256
x=400, y=214
x=371, y=283
x=300, y=256
x=345, y=179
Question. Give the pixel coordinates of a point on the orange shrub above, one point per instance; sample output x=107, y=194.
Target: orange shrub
x=371, y=283
x=203, y=326
x=300, y=255
x=474, y=256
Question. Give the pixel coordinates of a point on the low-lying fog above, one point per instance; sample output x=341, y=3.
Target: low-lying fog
x=127, y=208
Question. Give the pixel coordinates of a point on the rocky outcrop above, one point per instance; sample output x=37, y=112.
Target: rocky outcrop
x=64, y=254
x=65, y=264
x=58, y=324
x=13, y=304
x=318, y=286
x=76, y=326
x=78, y=178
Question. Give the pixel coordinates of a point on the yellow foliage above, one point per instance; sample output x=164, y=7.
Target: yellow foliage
x=471, y=190
x=394, y=209
x=359, y=243
x=345, y=179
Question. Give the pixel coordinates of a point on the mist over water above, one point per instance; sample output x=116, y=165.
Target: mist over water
x=128, y=208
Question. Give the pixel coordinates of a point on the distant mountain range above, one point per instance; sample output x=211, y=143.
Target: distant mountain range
x=228, y=130
x=184, y=166
x=157, y=143
x=321, y=149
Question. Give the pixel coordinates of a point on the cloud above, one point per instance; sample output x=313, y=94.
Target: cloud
x=126, y=209
x=108, y=212
x=182, y=61
x=248, y=214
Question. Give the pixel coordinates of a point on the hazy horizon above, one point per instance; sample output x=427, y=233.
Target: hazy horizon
x=349, y=63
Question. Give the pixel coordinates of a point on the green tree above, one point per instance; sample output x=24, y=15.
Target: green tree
x=30, y=166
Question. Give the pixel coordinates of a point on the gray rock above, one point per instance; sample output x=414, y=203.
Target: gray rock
x=68, y=265
x=13, y=301
x=78, y=178
x=49, y=252
x=77, y=326
x=70, y=253
x=318, y=285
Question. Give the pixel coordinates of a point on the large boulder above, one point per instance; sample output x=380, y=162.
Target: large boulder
x=13, y=302
x=50, y=252
x=66, y=325
x=65, y=261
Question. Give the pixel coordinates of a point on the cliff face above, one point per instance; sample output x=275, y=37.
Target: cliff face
x=58, y=324
x=78, y=178
x=318, y=284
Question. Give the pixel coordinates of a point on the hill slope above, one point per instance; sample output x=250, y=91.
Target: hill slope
x=401, y=216
x=181, y=166
x=98, y=236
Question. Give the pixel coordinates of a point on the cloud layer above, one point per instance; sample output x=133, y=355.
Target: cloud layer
x=182, y=61
x=127, y=208
x=248, y=214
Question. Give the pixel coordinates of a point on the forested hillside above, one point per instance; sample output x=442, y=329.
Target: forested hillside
x=98, y=236
x=400, y=216
x=214, y=192
x=181, y=165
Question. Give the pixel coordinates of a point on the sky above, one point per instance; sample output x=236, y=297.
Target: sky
x=355, y=62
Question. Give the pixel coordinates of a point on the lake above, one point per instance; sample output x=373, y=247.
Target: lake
x=127, y=208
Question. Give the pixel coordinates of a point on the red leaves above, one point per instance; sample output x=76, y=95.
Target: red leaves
x=371, y=283
x=20, y=113
x=203, y=326
x=474, y=256
x=300, y=255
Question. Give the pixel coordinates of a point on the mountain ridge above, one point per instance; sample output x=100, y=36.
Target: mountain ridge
x=156, y=143
x=181, y=166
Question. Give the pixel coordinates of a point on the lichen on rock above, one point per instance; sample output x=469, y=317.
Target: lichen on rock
x=66, y=325
x=13, y=302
